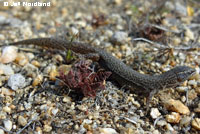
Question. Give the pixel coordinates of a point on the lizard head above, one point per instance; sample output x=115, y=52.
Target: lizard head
x=176, y=76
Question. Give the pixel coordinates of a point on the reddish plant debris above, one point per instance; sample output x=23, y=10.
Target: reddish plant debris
x=153, y=33
x=98, y=20
x=83, y=78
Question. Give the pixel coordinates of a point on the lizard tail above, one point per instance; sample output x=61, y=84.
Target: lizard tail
x=78, y=47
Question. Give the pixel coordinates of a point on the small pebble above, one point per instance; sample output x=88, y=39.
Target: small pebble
x=189, y=34
x=182, y=89
x=37, y=80
x=169, y=127
x=1, y=131
x=176, y=106
x=47, y=128
x=54, y=111
x=173, y=117
x=192, y=94
x=185, y=121
x=21, y=59
x=22, y=121
x=161, y=123
x=192, y=83
x=7, y=124
x=67, y=99
x=53, y=73
x=9, y=54
x=7, y=109
x=196, y=123
x=180, y=9
x=6, y=70
x=74, y=31
x=16, y=81
x=7, y=92
x=155, y=113
x=35, y=63
x=119, y=37
x=107, y=131
x=87, y=121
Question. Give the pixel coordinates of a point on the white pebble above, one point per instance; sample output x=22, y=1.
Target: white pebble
x=54, y=111
x=107, y=131
x=1, y=131
x=74, y=31
x=9, y=54
x=16, y=81
x=192, y=82
x=87, y=121
x=22, y=121
x=119, y=37
x=189, y=34
x=6, y=69
x=182, y=89
x=7, y=124
x=155, y=113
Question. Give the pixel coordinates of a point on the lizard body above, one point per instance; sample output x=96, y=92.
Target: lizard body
x=122, y=73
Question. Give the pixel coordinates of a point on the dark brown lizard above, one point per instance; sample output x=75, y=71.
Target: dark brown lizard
x=123, y=74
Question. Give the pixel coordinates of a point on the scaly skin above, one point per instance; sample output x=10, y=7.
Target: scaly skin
x=123, y=74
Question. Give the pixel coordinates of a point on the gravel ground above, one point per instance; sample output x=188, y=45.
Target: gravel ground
x=150, y=36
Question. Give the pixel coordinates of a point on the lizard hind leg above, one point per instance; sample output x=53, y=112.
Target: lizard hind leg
x=149, y=98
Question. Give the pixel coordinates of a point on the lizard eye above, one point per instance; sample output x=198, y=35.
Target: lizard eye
x=180, y=78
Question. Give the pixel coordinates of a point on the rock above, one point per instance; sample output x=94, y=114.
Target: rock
x=182, y=89
x=185, y=121
x=107, y=131
x=161, y=123
x=176, y=106
x=87, y=121
x=169, y=127
x=7, y=109
x=21, y=59
x=180, y=9
x=74, y=31
x=192, y=94
x=9, y=54
x=3, y=20
x=16, y=81
x=192, y=83
x=189, y=34
x=173, y=117
x=197, y=110
x=196, y=123
x=7, y=92
x=155, y=113
x=47, y=128
x=1, y=131
x=197, y=90
x=37, y=80
x=67, y=99
x=119, y=37
x=22, y=121
x=6, y=70
x=54, y=111
x=7, y=124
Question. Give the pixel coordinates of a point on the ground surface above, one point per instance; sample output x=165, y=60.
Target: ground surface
x=170, y=37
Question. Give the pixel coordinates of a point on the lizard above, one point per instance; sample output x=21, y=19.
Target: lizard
x=123, y=74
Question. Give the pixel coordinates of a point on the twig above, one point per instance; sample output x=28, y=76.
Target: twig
x=164, y=29
x=25, y=126
x=132, y=121
x=189, y=48
x=155, y=122
x=150, y=42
